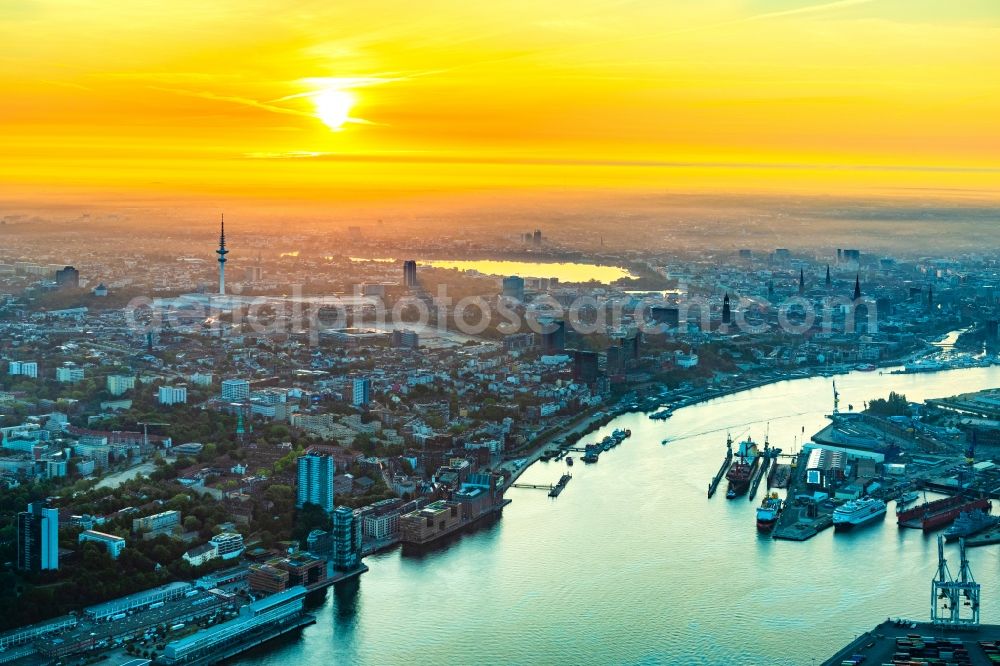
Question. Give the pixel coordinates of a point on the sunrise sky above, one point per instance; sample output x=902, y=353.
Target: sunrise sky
x=327, y=101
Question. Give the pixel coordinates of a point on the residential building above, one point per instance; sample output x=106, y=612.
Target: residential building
x=113, y=544
x=119, y=384
x=23, y=368
x=69, y=374
x=361, y=391
x=158, y=523
x=172, y=395
x=315, y=476
x=228, y=544
x=346, y=536
x=38, y=538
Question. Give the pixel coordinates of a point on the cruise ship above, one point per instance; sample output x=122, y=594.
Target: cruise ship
x=857, y=512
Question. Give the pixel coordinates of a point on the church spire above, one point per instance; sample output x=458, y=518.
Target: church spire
x=857, y=287
x=802, y=281
x=828, y=276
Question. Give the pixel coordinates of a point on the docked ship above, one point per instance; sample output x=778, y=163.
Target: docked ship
x=935, y=515
x=662, y=415
x=742, y=470
x=904, y=499
x=767, y=512
x=857, y=512
x=969, y=523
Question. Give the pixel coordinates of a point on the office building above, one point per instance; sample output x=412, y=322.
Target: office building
x=409, y=273
x=119, y=384
x=669, y=317
x=404, y=339
x=554, y=337
x=68, y=278
x=346, y=539
x=361, y=391
x=23, y=368
x=513, y=287
x=38, y=538
x=235, y=389
x=315, y=476
x=585, y=368
x=69, y=374
x=172, y=395
x=113, y=544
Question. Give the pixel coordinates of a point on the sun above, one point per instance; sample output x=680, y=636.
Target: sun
x=333, y=107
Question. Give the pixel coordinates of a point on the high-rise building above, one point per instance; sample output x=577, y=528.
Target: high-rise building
x=536, y=238
x=119, y=384
x=38, y=538
x=727, y=314
x=361, y=391
x=68, y=278
x=315, y=476
x=172, y=395
x=409, y=273
x=235, y=389
x=554, y=337
x=405, y=339
x=346, y=537
x=585, y=366
x=513, y=287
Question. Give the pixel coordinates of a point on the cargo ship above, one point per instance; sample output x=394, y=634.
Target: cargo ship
x=969, y=523
x=767, y=512
x=741, y=472
x=935, y=515
x=857, y=512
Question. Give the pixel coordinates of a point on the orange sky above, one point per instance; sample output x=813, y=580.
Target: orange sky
x=218, y=100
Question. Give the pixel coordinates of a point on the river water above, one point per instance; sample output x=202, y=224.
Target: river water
x=633, y=565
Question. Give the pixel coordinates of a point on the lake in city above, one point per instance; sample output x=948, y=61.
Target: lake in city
x=564, y=272
x=633, y=565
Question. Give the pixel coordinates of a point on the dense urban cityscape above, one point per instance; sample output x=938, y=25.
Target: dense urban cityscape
x=183, y=470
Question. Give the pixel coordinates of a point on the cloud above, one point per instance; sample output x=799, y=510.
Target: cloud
x=244, y=101
x=809, y=9
x=418, y=157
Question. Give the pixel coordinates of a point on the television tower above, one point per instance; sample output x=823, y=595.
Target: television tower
x=222, y=252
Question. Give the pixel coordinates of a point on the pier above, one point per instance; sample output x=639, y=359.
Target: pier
x=761, y=472
x=714, y=485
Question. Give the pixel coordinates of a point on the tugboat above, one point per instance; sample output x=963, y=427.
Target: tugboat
x=768, y=512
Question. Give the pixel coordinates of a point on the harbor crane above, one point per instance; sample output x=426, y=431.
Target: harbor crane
x=954, y=595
